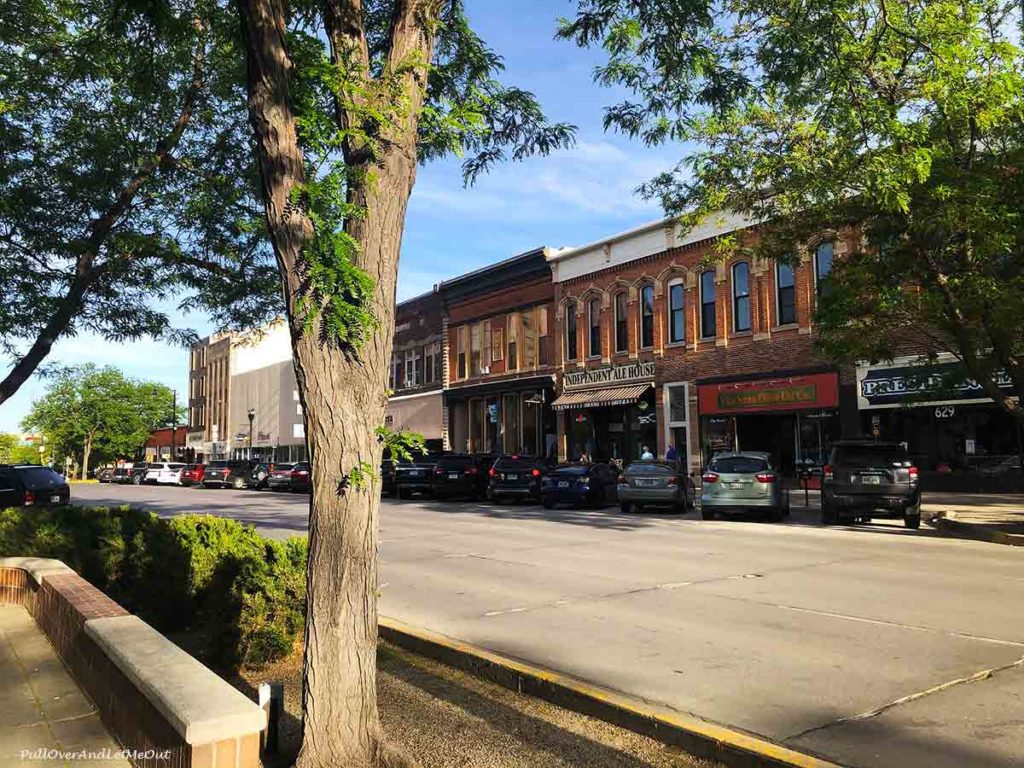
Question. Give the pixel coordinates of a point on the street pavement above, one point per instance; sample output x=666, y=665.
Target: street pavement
x=870, y=645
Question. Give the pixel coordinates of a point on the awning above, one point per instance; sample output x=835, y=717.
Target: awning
x=596, y=398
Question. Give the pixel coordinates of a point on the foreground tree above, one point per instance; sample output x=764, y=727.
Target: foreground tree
x=900, y=120
x=97, y=413
x=339, y=132
x=126, y=176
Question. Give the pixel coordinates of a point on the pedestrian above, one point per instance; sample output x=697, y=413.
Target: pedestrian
x=670, y=454
x=646, y=454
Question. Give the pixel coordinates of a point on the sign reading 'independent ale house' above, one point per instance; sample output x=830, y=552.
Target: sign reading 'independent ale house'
x=612, y=374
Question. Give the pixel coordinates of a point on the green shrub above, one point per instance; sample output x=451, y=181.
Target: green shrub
x=243, y=593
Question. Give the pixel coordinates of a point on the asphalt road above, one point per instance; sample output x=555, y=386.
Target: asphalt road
x=872, y=646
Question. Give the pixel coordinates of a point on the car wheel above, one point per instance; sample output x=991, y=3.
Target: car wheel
x=707, y=514
x=398, y=491
x=548, y=504
x=912, y=521
x=238, y=483
x=828, y=513
x=774, y=515
x=201, y=484
x=137, y=480
x=625, y=507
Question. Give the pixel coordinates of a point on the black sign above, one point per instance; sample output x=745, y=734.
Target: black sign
x=923, y=384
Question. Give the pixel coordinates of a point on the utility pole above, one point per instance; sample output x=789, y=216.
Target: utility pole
x=252, y=415
x=174, y=419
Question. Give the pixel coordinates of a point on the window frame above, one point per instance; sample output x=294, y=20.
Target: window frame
x=593, y=328
x=779, y=266
x=704, y=335
x=643, y=318
x=676, y=282
x=738, y=297
x=821, y=281
x=571, y=333
x=621, y=321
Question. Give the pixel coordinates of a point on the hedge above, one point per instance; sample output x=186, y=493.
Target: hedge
x=245, y=595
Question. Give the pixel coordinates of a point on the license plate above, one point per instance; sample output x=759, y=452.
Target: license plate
x=871, y=480
x=414, y=474
x=511, y=477
x=647, y=482
x=55, y=499
x=453, y=475
x=563, y=484
x=735, y=486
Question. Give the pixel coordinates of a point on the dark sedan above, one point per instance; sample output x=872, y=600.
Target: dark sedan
x=226, y=474
x=516, y=477
x=460, y=476
x=591, y=485
x=28, y=485
x=259, y=476
x=414, y=476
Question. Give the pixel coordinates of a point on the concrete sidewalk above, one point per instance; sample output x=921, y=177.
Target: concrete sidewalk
x=46, y=718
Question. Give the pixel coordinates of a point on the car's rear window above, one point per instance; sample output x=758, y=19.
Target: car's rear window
x=580, y=469
x=738, y=465
x=456, y=461
x=519, y=462
x=862, y=456
x=38, y=477
x=282, y=467
x=649, y=469
x=218, y=464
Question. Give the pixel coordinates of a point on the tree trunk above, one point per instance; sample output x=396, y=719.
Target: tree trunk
x=343, y=393
x=86, y=450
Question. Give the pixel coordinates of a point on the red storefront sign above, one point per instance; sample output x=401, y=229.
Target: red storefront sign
x=786, y=393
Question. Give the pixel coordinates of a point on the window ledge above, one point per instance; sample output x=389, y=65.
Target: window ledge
x=786, y=327
x=676, y=345
x=741, y=334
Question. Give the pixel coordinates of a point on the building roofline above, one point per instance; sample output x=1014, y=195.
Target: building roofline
x=504, y=263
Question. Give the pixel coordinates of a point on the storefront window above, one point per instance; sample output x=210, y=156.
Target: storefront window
x=532, y=413
x=707, y=304
x=594, y=325
x=647, y=316
x=676, y=316
x=741, y=297
x=510, y=423
x=621, y=322
x=785, y=282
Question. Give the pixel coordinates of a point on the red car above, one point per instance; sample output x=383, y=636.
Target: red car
x=193, y=474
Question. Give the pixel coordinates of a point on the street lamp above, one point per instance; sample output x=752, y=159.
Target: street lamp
x=252, y=415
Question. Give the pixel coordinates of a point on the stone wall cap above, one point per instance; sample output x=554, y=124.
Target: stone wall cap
x=199, y=704
x=37, y=567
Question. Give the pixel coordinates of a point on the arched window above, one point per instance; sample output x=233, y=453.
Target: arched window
x=785, y=289
x=676, y=315
x=647, y=317
x=594, y=326
x=707, y=304
x=570, y=331
x=621, y=321
x=741, y=297
x=823, y=267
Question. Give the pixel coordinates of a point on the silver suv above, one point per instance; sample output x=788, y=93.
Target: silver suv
x=865, y=479
x=737, y=483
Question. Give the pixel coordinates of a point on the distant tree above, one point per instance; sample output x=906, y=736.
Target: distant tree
x=897, y=120
x=8, y=444
x=89, y=413
x=126, y=176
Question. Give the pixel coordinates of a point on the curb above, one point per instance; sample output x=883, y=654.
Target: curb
x=957, y=528
x=699, y=737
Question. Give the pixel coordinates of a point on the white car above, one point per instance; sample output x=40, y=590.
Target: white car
x=164, y=473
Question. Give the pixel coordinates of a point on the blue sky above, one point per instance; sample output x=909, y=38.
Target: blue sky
x=569, y=198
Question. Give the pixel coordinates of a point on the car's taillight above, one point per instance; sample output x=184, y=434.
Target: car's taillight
x=827, y=473
x=30, y=498
x=470, y=470
x=535, y=472
x=438, y=471
x=912, y=471
x=766, y=477
x=673, y=481
x=491, y=472
x=227, y=471
x=709, y=477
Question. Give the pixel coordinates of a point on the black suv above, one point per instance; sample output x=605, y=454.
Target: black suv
x=28, y=485
x=865, y=479
x=461, y=476
x=516, y=477
x=414, y=476
x=231, y=474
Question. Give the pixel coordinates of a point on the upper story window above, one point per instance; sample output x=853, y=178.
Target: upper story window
x=823, y=267
x=542, y=335
x=412, y=362
x=512, y=363
x=570, y=331
x=530, y=353
x=676, y=315
x=396, y=372
x=621, y=321
x=647, y=317
x=594, y=327
x=432, y=362
x=707, y=304
x=498, y=343
x=474, y=350
x=785, y=289
x=741, y=297
x=463, y=341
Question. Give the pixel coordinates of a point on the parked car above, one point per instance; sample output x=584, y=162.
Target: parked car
x=120, y=475
x=226, y=473
x=138, y=473
x=259, y=476
x=103, y=474
x=28, y=485
x=516, y=477
x=163, y=473
x=865, y=479
x=280, y=478
x=301, y=479
x=388, y=469
x=414, y=476
x=192, y=474
x=592, y=485
x=460, y=476
x=743, y=483
x=654, y=484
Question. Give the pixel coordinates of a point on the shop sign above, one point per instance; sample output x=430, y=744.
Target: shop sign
x=904, y=383
x=194, y=439
x=610, y=374
x=820, y=390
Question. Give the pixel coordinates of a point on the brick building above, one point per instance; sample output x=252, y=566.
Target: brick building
x=662, y=344
x=501, y=357
x=416, y=374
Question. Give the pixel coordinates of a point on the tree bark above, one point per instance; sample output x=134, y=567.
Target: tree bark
x=86, y=450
